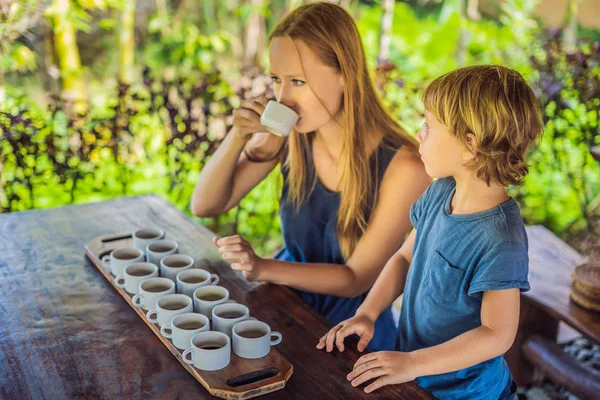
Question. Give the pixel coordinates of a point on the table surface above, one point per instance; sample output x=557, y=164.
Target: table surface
x=551, y=263
x=66, y=333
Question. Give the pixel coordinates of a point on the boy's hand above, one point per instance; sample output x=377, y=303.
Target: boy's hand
x=238, y=250
x=359, y=324
x=391, y=367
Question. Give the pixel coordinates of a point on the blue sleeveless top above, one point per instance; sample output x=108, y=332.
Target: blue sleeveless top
x=310, y=236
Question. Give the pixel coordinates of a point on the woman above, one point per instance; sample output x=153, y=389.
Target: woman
x=350, y=172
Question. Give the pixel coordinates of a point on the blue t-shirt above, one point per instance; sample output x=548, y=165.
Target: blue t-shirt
x=455, y=259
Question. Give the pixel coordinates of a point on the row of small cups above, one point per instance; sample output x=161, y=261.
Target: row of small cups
x=148, y=245
x=231, y=323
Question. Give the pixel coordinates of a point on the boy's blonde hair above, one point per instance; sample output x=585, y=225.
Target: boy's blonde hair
x=496, y=105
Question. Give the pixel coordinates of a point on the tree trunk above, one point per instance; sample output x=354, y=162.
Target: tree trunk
x=67, y=54
x=385, y=34
x=127, y=43
x=254, y=35
x=570, y=31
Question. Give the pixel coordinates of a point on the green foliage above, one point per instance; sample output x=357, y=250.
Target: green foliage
x=156, y=135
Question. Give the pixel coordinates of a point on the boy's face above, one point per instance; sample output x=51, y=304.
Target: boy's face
x=442, y=153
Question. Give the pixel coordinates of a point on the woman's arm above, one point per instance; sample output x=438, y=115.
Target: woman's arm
x=404, y=181
x=229, y=175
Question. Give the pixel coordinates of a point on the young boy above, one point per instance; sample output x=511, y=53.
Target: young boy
x=463, y=266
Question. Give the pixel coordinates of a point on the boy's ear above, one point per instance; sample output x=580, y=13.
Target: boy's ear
x=472, y=145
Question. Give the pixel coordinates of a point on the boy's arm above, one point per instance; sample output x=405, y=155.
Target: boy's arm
x=499, y=323
x=390, y=283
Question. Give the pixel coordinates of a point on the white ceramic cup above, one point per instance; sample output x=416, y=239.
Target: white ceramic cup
x=173, y=264
x=144, y=236
x=118, y=259
x=253, y=339
x=135, y=274
x=151, y=290
x=225, y=316
x=169, y=307
x=278, y=119
x=183, y=327
x=215, y=355
x=158, y=249
x=191, y=279
x=208, y=297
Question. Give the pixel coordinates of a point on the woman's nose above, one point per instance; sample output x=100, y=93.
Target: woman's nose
x=418, y=136
x=285, y=96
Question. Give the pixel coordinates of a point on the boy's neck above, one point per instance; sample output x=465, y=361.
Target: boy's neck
x=473, y=195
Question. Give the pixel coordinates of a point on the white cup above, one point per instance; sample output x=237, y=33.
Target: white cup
x=191, y=279
x=225, y=316
x=168, y=307
x=144, y=236
x=173, y=264
x=135, y=274
x=158, y=249
x=278, y=119
x=151, y=290
x=253, y=339
x=215, y=355
x=118, y=259
x=183, y=327
x=208, y=297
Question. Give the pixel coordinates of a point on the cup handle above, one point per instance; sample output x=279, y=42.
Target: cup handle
x=149, y=318
x=275, y=342
x=106, y=262
x=214, y=279
x=185, y=354
x=118, y=283
x=163, y=331
x=138, y=300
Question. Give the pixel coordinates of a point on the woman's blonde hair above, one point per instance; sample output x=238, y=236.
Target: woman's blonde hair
x=331, y=33
x=495, y=104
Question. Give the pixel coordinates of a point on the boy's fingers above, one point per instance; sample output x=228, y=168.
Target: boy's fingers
x=238, y=256
x=331, y=337
x=242, y=267
x=231, y=248
x=364, y=342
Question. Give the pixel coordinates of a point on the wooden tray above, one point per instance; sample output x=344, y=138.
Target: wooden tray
x=241, y=379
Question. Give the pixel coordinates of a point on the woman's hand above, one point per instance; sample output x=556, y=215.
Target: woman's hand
x=238, y=250
x=360, y=324
x=390, y=367
x=246, y=118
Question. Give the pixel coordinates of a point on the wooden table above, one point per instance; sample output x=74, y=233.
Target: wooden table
x=551, y=263
x=66, y=333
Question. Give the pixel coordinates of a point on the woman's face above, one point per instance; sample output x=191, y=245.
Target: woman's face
x=291, y=88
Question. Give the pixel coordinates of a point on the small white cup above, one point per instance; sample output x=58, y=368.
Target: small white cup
x=183, y=327
x=118, y=259
x=135, y=274
x=253, y=339
x=173, y=264
x=169, y=307
x=215, y=355
x=151, y=290
x=208, y=297
x=144, y=236
x=191, y=279
x=225, y=316
x=158, y=249
x=278, y=119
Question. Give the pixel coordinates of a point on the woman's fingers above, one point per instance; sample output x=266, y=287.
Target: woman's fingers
x=242, y=267
x=230, y=240
x=230, y=248
x=237, y=256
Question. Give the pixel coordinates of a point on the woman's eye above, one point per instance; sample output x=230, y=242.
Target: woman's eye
x=297, y=82
x=275, y=79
